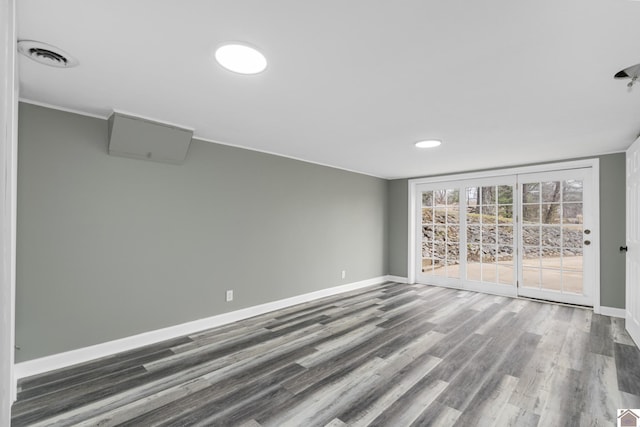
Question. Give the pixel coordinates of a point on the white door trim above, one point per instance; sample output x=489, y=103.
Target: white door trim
x=8, y=176
x=549, y=167
x=632, y=288
x=595, y=191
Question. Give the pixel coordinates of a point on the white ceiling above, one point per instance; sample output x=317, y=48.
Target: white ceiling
x=353, y=84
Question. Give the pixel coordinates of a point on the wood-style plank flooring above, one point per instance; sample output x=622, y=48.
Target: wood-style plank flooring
x=387, y=355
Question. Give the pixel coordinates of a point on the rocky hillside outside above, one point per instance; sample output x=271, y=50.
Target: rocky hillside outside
x=490, y=237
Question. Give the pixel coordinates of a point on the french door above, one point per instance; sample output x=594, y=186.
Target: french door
x=558, y=240
x=467, y=237
x=526, y=234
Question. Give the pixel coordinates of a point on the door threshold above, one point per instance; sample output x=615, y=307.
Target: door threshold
x=566, y=304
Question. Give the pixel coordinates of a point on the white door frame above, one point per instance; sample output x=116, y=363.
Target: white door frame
x=594, y=164
x=632, y=287
x=8, y=169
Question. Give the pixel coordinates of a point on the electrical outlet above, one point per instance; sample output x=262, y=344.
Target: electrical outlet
x=229, y=295
x=344, y=274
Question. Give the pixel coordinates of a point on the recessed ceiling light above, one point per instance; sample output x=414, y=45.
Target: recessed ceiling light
x=429, y=143
x=241, y=58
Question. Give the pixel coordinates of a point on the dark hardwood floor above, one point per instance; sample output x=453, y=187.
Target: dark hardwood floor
x=387, y=355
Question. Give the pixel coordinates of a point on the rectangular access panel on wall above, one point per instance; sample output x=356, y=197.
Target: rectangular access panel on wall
x=143, y=139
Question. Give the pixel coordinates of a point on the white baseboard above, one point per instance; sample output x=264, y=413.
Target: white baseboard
x=633, y=329
x=397, y=279
x=613, y=312
x=85, y=354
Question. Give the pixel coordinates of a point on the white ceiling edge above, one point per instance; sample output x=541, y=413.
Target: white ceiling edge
x=454, y=175
x=151, y=119
x=195, y=135
x=59, y=108
x=272, y=153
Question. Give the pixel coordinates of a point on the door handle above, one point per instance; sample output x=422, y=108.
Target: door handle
x=587, y=242
x=587, y=231
x=623, y=249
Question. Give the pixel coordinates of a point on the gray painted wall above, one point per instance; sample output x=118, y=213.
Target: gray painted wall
x=612, y=229
x=110, y=247
x=398, y=224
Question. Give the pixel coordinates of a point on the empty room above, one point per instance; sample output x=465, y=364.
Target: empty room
x=250, y=213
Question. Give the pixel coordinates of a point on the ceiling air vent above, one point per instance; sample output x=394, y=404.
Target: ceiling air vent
x=46, y=54
x=632, y=73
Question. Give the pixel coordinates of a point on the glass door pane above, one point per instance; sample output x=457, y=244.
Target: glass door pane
x=466, y=237
x=553, y=236
x=440, y=232
x=490, y=234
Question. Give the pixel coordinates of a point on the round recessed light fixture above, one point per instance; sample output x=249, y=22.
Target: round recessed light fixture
x=241, y=58
x=428, y=143
x=46, y=54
